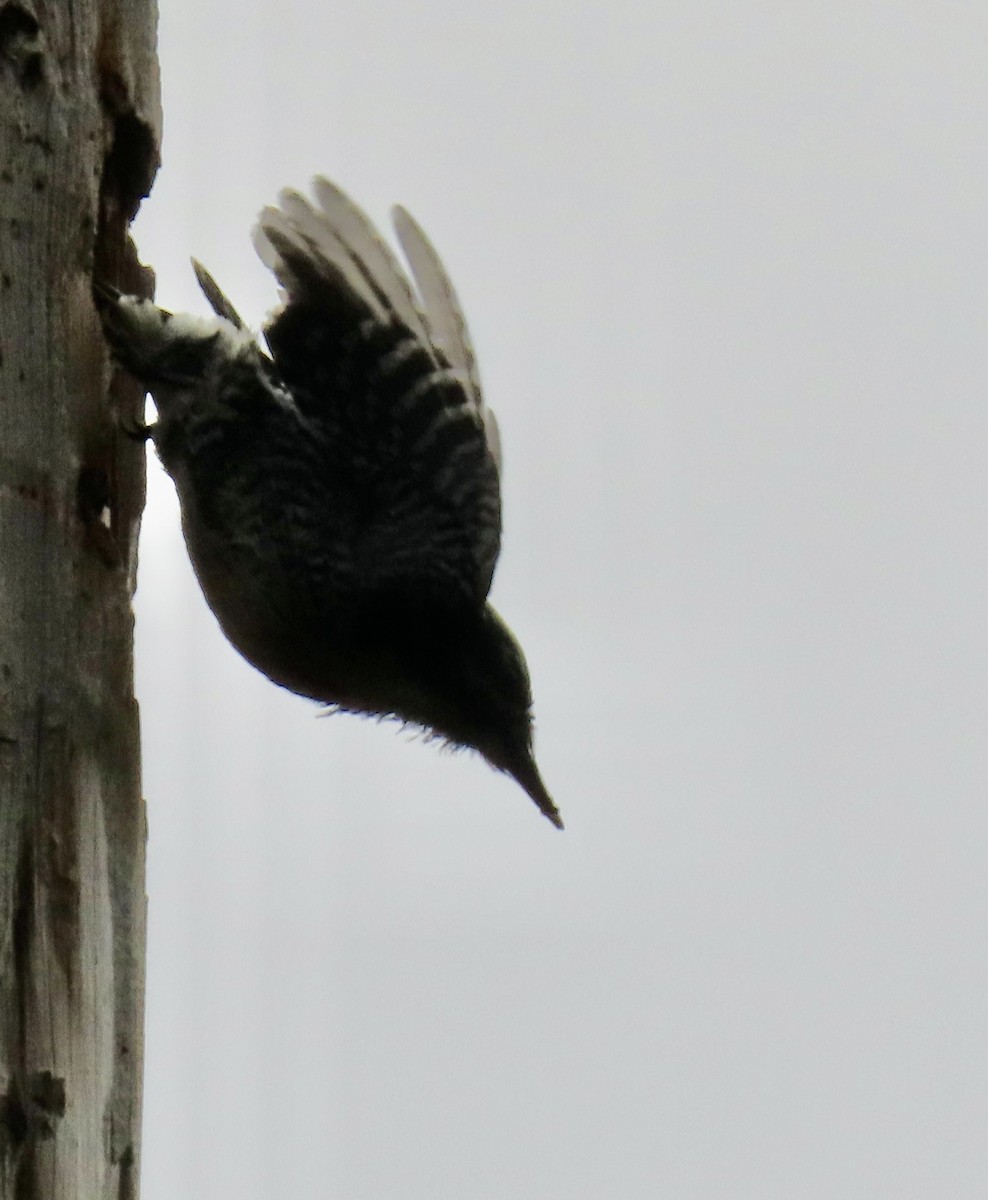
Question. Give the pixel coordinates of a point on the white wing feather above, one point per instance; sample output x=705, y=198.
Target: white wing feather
x=355, y=231
x=447, y=324
x=444, y=315
x=297, y=222
x=341, y=236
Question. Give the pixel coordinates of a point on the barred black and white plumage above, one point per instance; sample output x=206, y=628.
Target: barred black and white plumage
x=341, y=495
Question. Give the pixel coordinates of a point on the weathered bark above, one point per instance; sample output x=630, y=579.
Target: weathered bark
x=79, y=128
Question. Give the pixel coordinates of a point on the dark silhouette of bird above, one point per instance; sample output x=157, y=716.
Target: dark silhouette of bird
x=340, y=493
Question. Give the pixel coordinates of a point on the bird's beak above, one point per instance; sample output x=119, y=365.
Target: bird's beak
x=528, y=776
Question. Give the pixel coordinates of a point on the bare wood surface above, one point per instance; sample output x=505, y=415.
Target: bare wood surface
x=79, y=134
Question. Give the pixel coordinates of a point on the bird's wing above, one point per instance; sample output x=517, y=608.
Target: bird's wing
x=394, y=391
x=337, y=241
x=444, y=316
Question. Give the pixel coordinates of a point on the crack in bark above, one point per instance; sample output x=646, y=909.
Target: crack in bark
x=22, y=44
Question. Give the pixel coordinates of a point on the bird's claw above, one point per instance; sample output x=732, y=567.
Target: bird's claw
x=137, y=431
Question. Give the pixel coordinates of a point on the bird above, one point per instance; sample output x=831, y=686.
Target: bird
x=339, y=484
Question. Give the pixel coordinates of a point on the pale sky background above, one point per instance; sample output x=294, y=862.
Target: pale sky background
x=725, y=266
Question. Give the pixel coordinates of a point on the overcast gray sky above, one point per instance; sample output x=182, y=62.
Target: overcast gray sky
x=725, y=265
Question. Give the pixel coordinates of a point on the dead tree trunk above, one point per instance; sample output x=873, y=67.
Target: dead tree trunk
x=79, y=129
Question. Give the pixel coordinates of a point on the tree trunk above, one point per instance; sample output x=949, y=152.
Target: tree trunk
x=79, y=132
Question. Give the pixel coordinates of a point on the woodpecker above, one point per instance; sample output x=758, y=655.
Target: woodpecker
x=340, y=490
